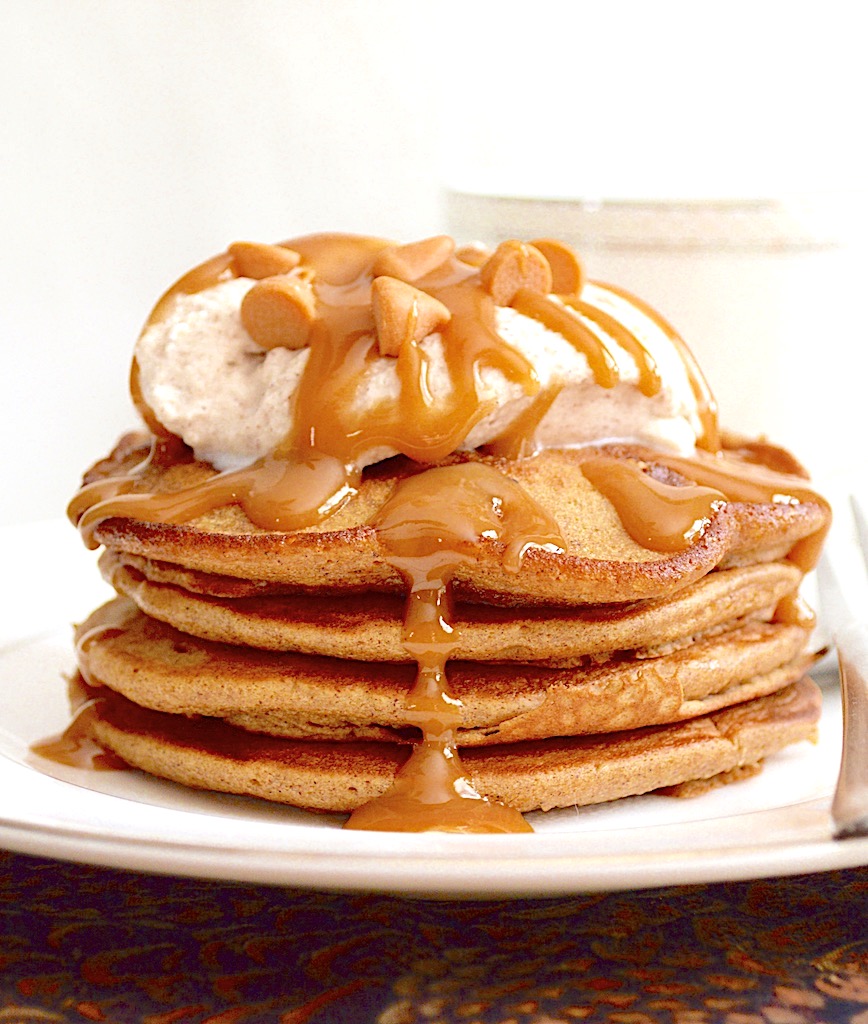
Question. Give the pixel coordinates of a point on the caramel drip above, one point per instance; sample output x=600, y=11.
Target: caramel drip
x=343, y=345
x=118, y=620
x=206, y=275
x=793, y=610
x=277, y=492
x=428, y=529
x=744, y=481
x=649, y=379
x=770, y=456
x=415, y=424
x=662, y=517
x=75, y=746
x=147, y=414
x=96, y=500
x=86, y=642
x=557, y=317
x=518, y=440
x=706, y=404
x=657, y=515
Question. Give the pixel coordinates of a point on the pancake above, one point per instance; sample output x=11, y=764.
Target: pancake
x=303, y=696
x=209, y=754
x=602, y=562
x=368, y=627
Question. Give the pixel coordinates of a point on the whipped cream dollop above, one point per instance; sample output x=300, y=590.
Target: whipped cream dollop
x=206, y=380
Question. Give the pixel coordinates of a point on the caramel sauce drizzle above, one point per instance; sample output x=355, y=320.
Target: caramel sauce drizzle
x=667, y=518
x=557, y=317
x=417, y=425
x=793, y=610
x=429, y=528
x=75, y=746
x=705, y=401
x=649, y=379
x=205, y=275
x=659, y=516
x=519, y=440
x=277, y=492
x=744, y=481
x=662, y=517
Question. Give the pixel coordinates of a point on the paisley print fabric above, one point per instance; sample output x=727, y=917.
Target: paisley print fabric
x=79, y=943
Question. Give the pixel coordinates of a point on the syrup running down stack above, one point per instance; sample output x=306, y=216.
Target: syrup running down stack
x=436, y=537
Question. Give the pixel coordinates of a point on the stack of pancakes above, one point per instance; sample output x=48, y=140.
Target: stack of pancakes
x=271, y=664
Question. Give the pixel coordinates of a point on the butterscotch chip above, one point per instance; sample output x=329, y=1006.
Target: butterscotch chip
x=513, y=266
x=279, y=312
x=414, y=260
x=567, y=272
x=256, y=260
x=403, y=314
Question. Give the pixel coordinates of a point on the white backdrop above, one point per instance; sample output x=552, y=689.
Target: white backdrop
x=140, y=136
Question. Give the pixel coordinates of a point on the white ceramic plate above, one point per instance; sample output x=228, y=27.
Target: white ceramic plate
x=776, y=823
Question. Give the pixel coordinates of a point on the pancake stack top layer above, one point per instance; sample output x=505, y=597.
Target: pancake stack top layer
x=478, y=514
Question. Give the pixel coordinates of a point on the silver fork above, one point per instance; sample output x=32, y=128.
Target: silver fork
x=843, y=592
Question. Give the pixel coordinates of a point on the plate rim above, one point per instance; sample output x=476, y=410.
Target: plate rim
x=433, y=876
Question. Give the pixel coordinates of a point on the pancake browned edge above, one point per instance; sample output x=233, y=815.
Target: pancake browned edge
x=329, y=776
x=343, y=554
x=306, y=696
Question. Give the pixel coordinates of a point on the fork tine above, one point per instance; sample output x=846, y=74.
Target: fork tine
x=847, y=579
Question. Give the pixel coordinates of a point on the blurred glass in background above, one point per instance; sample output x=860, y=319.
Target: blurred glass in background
x=765, y=291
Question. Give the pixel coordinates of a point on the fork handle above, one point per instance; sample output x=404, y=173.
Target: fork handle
x=850, y=803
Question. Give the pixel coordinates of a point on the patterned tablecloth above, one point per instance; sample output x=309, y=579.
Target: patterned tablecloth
x=88, y=944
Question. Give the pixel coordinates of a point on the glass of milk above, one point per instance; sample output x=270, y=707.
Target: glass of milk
x=763, y=290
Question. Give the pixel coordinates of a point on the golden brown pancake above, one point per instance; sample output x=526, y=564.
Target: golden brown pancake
x=603, y=563
x=367, y=627
x=327, y=776
x=302, y=696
